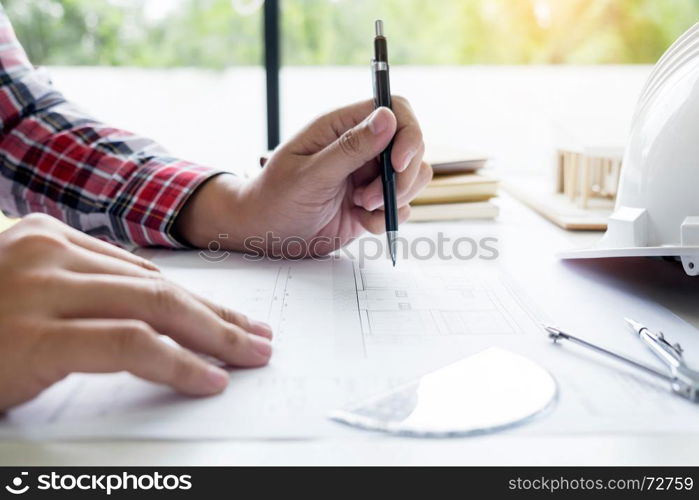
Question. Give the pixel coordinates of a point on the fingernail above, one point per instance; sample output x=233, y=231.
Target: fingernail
x=261, y=327
x=261, y=345
x=377, y=122
x=406, y=160
x=357, y=197
x=373, y=203
x=150, y=266
x=216, y=377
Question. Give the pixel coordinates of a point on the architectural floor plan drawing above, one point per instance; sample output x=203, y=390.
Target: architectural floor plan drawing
x=343, y=332
x=437, y=300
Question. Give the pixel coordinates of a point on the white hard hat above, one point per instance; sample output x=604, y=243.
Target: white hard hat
x=657, y=205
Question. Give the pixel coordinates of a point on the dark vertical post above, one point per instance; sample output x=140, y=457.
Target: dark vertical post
x=272, y=62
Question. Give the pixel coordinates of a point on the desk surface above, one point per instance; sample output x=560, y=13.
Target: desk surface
x=499, y=449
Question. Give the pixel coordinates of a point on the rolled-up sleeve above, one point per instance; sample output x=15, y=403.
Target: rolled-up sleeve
x=56, y=159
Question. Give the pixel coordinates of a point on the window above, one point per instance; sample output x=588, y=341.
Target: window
x=222, y=33
x=189, y=72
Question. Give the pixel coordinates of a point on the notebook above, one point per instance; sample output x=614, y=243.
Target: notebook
x=456, y=188
x=449, y=160
x=454, y=211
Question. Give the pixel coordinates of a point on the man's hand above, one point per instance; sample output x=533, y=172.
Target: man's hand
x=322, y=188
x=72, y=303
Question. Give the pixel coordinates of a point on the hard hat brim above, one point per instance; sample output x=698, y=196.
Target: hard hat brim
x=602, y=253
x=688, y=255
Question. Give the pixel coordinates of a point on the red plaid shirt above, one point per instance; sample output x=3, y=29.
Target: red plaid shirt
x=56, y=159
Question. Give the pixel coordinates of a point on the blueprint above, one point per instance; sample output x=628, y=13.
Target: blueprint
x=342, y=332
x=345, y=332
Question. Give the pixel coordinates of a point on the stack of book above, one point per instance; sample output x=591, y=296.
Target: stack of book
x=459, y=190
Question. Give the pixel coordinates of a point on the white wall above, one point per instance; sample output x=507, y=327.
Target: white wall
x=518, y=114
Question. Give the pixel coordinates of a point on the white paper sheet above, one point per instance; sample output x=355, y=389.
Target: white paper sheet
x=345, y=332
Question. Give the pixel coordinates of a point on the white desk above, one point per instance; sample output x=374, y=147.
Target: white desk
x=503, y=449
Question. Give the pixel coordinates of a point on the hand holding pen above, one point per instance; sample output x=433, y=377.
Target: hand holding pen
x=324, y=187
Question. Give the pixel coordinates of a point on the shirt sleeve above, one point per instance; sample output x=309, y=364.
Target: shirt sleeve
x=56, y=159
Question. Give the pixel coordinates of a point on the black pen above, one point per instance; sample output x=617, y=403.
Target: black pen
x=382, y=97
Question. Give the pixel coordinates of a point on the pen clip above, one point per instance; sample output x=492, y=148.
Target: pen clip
x=673, y=349
x=374, y=83
x=670, y=354
x=685, y=380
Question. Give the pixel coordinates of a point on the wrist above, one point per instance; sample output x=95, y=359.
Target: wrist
x=214, y=212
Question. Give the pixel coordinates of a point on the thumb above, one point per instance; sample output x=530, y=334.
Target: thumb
x=358, y=145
